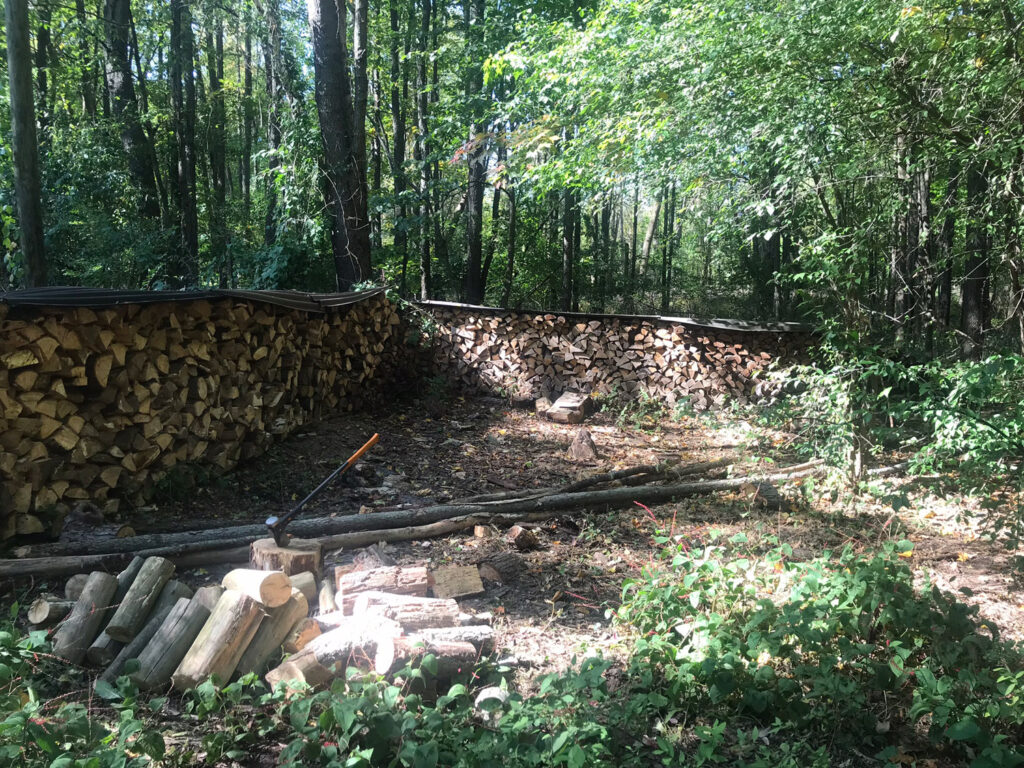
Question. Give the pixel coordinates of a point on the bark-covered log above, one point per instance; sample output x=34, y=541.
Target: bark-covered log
x=170, y=643
x=451, y=656
x=104, y=648
x=74, y=636
x=47, y=610
x=74, y=586
x=305, y=582
x=131, y=614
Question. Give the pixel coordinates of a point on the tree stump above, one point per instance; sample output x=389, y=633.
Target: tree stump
x=297, y=556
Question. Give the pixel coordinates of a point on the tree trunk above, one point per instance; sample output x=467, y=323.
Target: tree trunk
x=123, y=106
x=26, y=150
x=88, y=82
x=218, y=153
x=421, y=148
x=973, y=296
x=183, y=91
x=947, y=242
x=398, y=141
x=568, y=256
x=44, y=16
x=272, y=73
x=667, y=250
x=473, y=286
x=506, y=292
x=247, y=121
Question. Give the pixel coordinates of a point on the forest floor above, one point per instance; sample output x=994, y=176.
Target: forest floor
x=560, y=608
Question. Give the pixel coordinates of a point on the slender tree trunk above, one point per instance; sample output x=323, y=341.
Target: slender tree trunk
x=568, y=257
x=218, y=152
x=272, y=73
x=947, y=242
x=421, y=147
x=120, y=96
x=506, y=291
x=247, y=121
x=88, y=77
x=26, y=154
x=976, y=270
x=492, y=243
x=398, y=78
x=473, y=286
x=667, y=248
x=184, y=95
x=44, y=17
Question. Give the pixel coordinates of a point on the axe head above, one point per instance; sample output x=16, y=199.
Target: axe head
x=274, y=524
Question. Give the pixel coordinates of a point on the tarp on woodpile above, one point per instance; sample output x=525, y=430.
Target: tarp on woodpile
x=73, y=296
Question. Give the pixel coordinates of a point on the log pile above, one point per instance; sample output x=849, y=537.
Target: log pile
x=380, y=619
x=534, y=355
x=96, y=405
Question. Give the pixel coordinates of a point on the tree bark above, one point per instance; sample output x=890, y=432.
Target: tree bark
x=974, y=290
x=421, y=148
x=27, y=182
x=218, y=152
x=183, y=91
x=398, y=141
x=473, y=286
x=88, y=83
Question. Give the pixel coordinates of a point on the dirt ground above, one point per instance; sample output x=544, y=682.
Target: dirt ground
x=559, y=607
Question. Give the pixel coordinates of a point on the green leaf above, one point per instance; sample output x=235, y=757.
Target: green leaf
x=963, y=730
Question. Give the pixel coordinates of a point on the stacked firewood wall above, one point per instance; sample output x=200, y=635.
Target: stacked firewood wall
x=529, y=355
x=98, y=404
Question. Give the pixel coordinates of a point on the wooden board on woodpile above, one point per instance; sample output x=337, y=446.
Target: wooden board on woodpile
x=268, y=588
x=74, y=636
x=297, y=556
x=221, y=642
x=570, y=408
x=410, y=612
x=455, y=581
x=395, y=579
x=582, y=447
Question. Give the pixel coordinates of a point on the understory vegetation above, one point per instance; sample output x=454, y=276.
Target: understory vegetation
x=740, y=655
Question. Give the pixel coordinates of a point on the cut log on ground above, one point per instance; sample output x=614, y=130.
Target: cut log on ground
x=456, y=581
x=452, y=657
x=190, y=550
x=412, y=613
x=172, y=592
x=502, y=567
x=273, y=629
x=168, y=646
x=221, y=642
x=397, y=580
x=582, y=447
x=300, y=635
x=76, y=634
x=73, y=587
x=296, y=556
x=330, y=654
x=522, y=538
x=268, y=588
x=305, y=582
x=480, y=636
x=142, y=594
x=47, y=610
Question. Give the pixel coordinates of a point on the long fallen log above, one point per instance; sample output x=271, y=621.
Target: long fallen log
x=399, y=525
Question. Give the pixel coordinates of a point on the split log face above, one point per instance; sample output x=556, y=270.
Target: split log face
x=410, y=612
x=298, y=556
x=268, y=588
x=138, y=601
x=221, y=642
x=74, y=636
x=396, y=579
x=326, y=596
x=456, y=581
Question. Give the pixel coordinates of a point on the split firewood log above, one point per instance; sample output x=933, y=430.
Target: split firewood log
x=301, y=634
x=411, y=612
x=74, y=636
x=396, y=579
x=268, y=588
x=480, y=636
x=452, y=656
x=456, y=581
x=221, y=642
x=273, y=629
x=522, y=538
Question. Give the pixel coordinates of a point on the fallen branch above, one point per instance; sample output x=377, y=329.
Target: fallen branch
x=361, y=530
